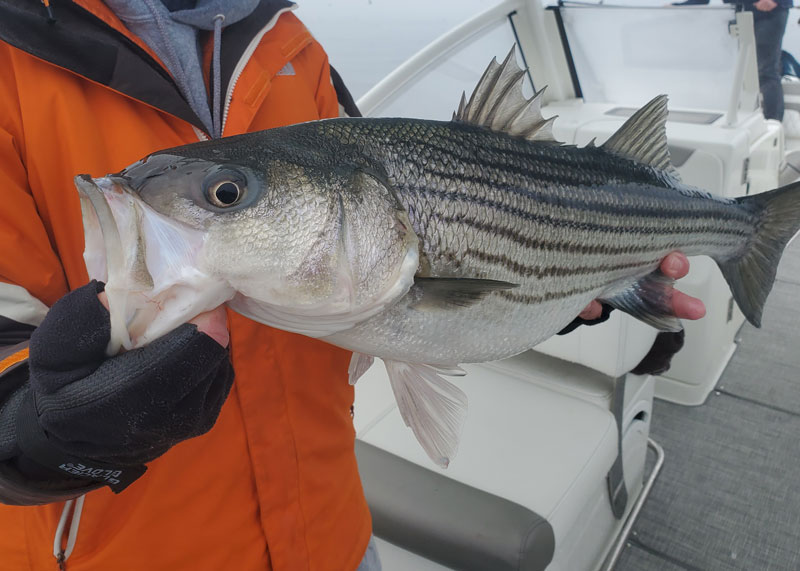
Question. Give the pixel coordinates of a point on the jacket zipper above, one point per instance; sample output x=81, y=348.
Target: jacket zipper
x=240, y=65
x=200, y=134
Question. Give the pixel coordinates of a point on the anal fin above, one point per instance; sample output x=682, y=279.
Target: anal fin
x=649, y=300
x=434, y=409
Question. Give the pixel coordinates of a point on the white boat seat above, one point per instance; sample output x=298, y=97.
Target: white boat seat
x=449, y=522
x=791, y=168
x=545, y=451
x=791, y=94
x=790, y=87
x=792, y=103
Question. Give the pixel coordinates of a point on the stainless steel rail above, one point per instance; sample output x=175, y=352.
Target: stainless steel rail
x=622, y=538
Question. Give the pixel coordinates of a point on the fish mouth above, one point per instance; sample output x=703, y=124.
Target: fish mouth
x=149, y=263
x=101, y=231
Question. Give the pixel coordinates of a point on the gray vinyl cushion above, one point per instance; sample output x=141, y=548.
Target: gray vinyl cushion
x=446, y=521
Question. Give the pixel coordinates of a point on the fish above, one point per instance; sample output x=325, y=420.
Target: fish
x=427, y=244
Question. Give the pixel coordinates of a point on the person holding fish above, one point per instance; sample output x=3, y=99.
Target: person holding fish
x=225, y=443
x=769, y=25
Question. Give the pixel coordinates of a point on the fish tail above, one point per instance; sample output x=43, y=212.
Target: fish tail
x=752, y=274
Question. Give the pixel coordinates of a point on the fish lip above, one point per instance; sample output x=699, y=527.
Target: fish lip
x=92, y=188
x=98, y=222
x=85, y=184
x=103, y=252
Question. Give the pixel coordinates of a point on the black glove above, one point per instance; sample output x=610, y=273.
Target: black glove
x=578, y=321
x=659, y=358
x=96, y=418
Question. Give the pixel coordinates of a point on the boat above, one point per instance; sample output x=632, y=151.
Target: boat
x=567, y=461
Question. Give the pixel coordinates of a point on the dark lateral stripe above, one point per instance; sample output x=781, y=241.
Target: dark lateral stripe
x=542, y=162
x=551, y=246
x=574, y=225
x=560, y=160
x=550, y=271
x=600, y=201
x=561, y=157
x=528, y=299
x=536, y=170
x=590, y=169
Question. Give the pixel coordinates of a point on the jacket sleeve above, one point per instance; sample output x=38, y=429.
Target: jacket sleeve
x=347, y=105
x=36, y=486
x=29, y=271
x=19, y=312
x=332, y=96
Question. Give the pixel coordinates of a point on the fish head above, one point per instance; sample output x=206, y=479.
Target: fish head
x=149, y=263
x=303, y=245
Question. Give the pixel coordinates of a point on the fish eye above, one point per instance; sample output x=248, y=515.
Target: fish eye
x=225, y=188
x=224, y=193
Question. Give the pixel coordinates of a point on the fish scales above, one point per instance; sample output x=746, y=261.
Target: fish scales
x=568, y=221
x=561, y=193
x=514, y=215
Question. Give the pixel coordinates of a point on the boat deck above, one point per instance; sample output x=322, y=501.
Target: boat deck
x=728, y=496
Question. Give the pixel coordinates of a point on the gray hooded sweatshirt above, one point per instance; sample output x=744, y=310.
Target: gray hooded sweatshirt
x=170, y=28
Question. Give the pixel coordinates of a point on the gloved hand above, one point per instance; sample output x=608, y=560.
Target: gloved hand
x=101, y=419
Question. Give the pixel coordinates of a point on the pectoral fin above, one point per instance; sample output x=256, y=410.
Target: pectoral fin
x=432, y=293
x=649, y=300
x=434, y=409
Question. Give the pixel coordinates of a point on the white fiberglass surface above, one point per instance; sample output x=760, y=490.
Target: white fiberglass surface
x=367, y=39
x=630, y=55
x=435, y=93
x=791, y=39
x=637, y=3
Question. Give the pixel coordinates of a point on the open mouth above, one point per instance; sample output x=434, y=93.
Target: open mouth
x=148, y=262
x=101, y=235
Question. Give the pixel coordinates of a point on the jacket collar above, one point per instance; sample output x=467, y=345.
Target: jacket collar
x=86, y=38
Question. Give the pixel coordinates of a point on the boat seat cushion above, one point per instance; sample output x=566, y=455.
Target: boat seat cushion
x=450, y=522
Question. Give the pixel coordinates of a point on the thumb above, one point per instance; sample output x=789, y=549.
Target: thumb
x=73, y=334
x=214, y=323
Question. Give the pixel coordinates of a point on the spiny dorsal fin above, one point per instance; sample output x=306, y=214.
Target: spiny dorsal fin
x=497, y=103
x=643, y=137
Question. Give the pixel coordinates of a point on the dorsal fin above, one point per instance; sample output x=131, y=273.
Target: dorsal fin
x=497, y=103
x=643, y=137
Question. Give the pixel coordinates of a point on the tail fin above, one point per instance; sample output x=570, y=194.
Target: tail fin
x=751, y=275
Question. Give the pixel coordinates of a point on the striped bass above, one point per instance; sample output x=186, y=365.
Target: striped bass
x=425, y=243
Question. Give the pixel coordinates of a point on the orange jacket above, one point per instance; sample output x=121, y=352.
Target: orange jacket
x=274, y=485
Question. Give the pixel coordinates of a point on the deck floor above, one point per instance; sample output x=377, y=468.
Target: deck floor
x=728, y=496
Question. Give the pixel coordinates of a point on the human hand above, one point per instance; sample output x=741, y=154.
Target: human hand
x=213, y=323
x=102, y=419
x=765, y=5
x=676, y=266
